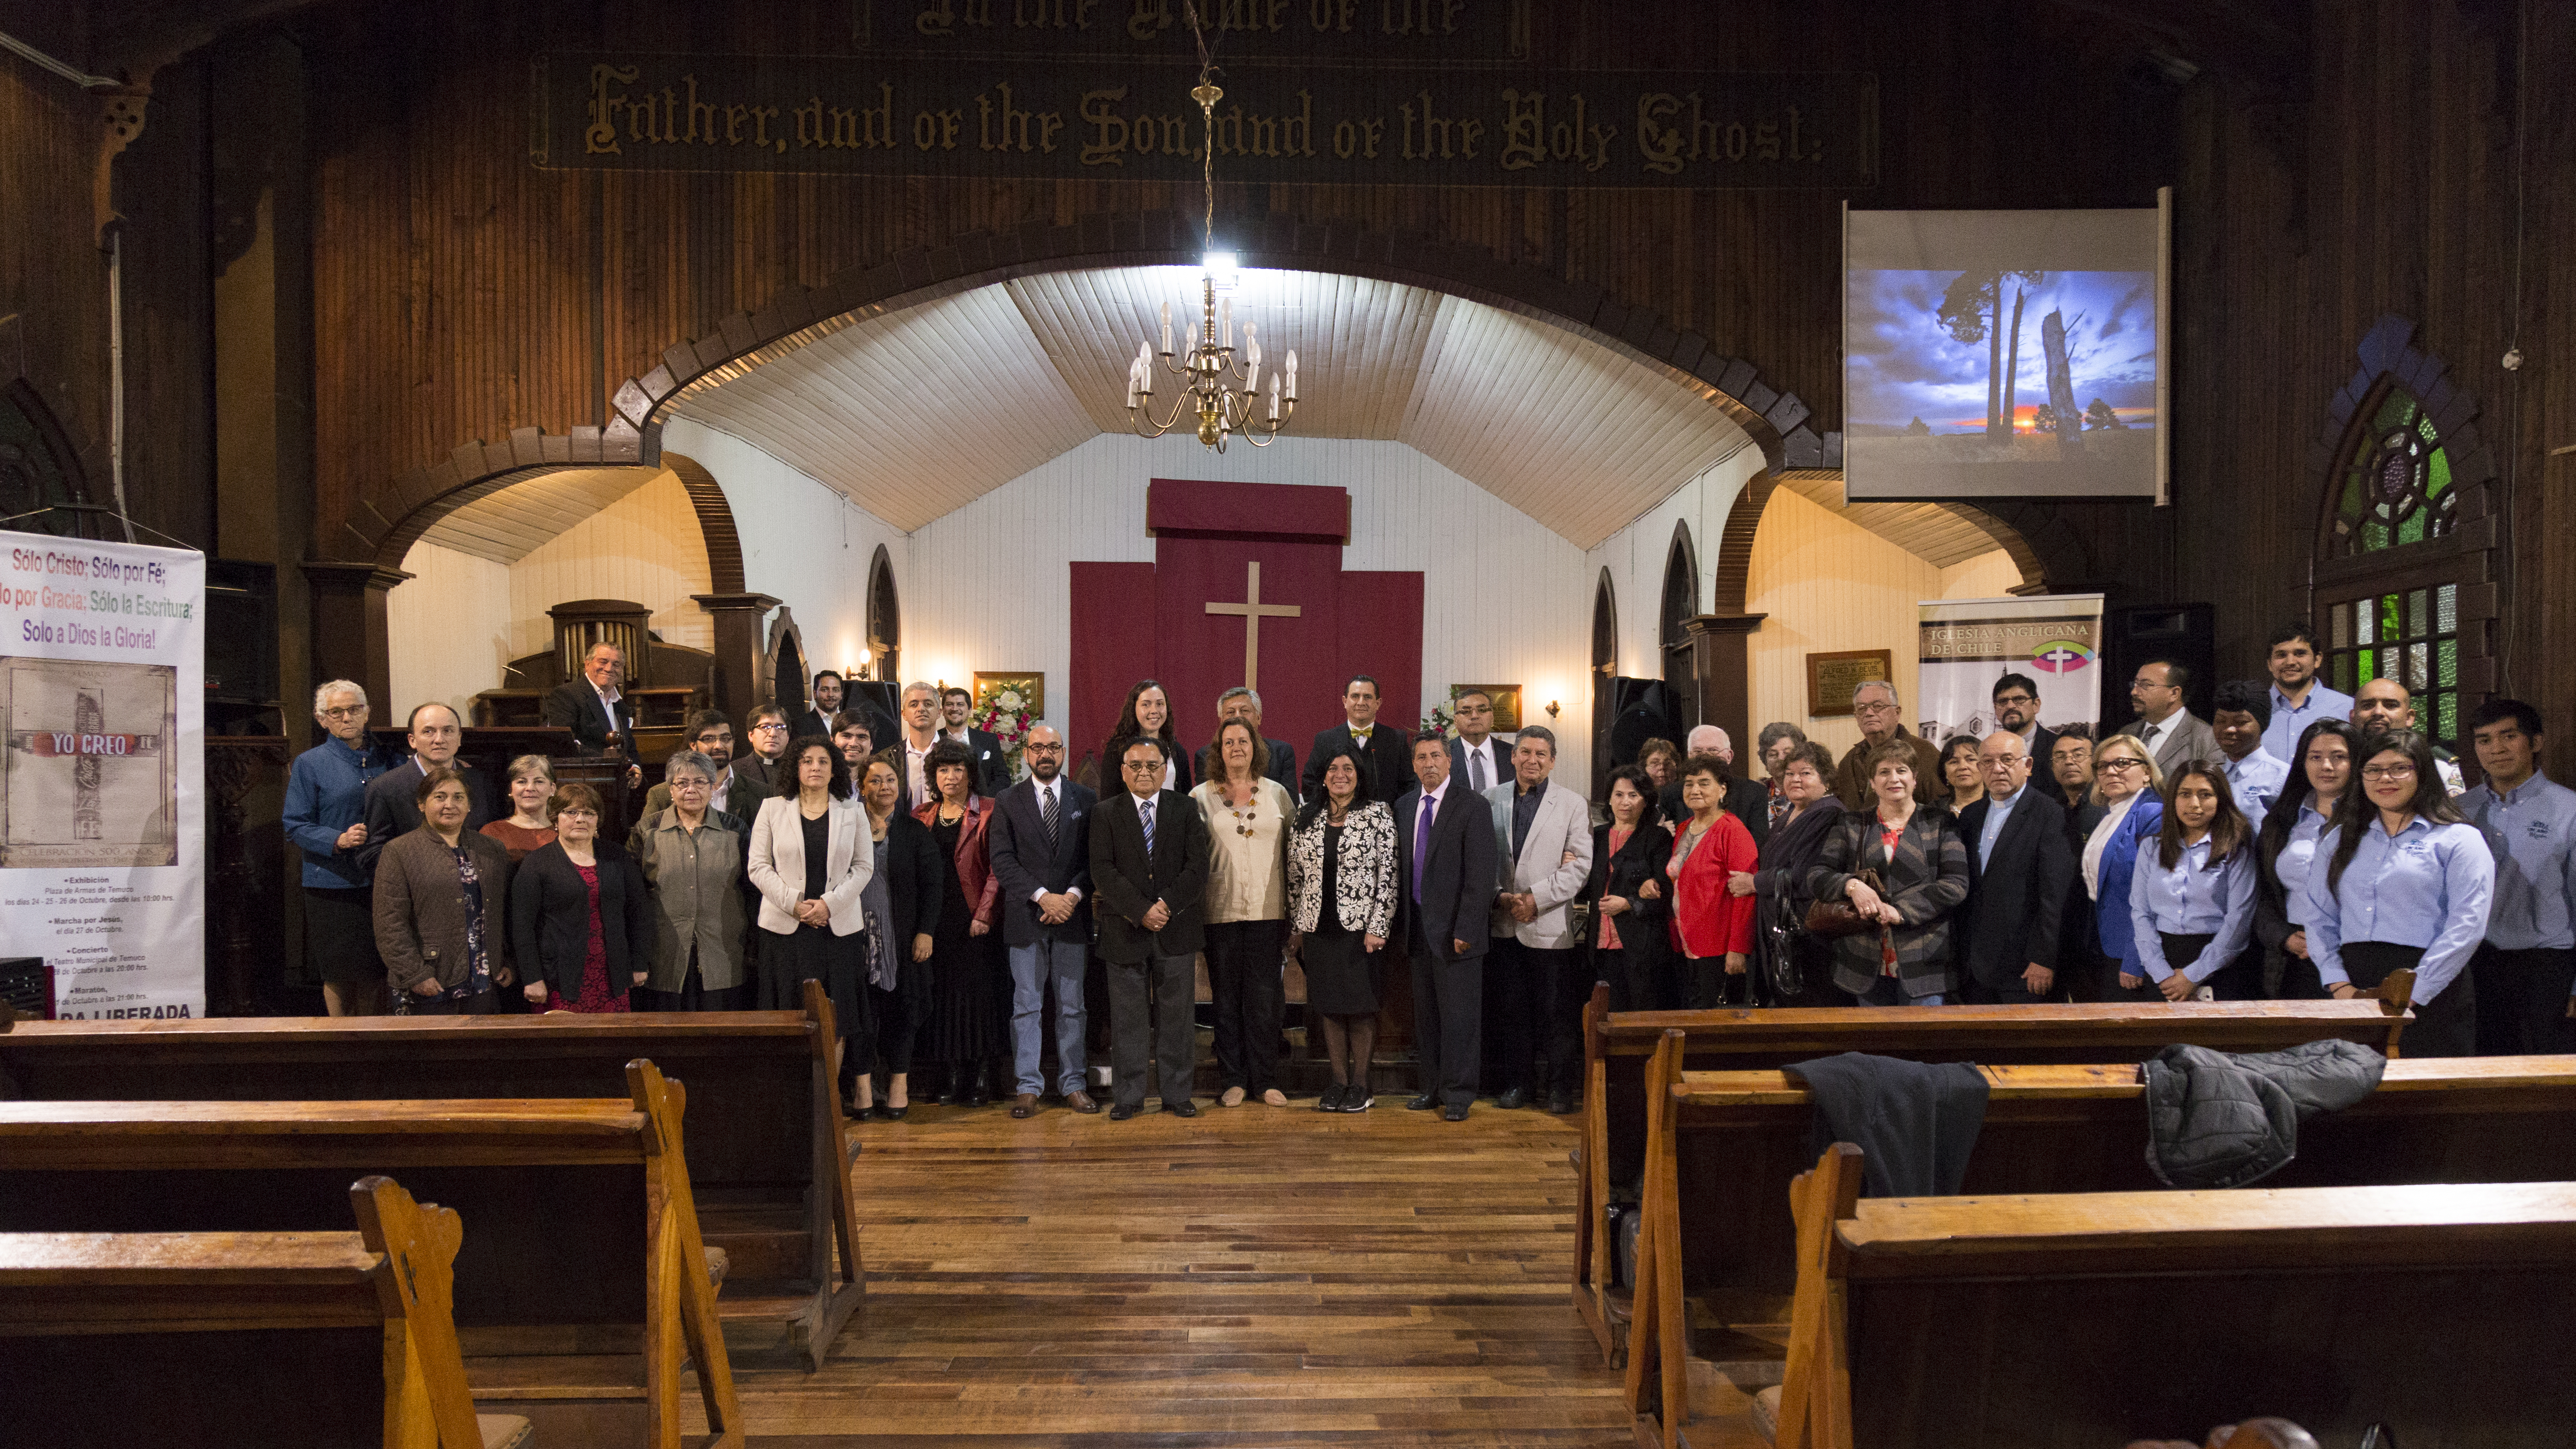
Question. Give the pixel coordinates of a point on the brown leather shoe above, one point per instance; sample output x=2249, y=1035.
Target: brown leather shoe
x=1025, y=1104
x=1081, y=1102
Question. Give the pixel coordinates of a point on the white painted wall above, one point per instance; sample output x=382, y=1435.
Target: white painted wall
x=1635, y=558
x=802, y=543
x=449, y=629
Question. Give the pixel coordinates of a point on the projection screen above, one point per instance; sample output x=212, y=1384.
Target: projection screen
x=2005, y=354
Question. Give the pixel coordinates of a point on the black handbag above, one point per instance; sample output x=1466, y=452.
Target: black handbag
x=1781, y=930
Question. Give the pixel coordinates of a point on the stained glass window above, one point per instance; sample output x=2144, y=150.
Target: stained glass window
x=2396, y=489
x=2412, y=637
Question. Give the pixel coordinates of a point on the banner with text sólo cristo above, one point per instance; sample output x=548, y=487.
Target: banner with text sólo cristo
x=102, y=776
x=2053, y=640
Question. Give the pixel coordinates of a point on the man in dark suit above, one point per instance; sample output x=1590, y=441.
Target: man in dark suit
x=1474, y=713
x=393, y=806
x=1447, y=860
x=2019, y=868
x=767, y=735
x=823, y=701
x=1749, y=801
x=593, y=707
x=992, y=767
x=1041, y=845
x=2017, y=709
x=1149, y=869
x=1241, y=703
x=1386, y=748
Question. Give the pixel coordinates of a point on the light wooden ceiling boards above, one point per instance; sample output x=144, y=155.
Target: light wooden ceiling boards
x=507, y=526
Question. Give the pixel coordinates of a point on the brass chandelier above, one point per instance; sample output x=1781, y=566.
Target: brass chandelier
x=1221, y=394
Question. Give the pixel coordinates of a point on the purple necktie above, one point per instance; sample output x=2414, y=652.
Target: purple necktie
x=1422, y=843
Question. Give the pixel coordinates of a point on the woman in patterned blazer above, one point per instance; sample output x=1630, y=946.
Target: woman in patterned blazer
x=1922, y=866
x=1341, y=911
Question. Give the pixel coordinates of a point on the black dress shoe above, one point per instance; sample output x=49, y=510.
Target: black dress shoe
x=1560, y=1104
x=978, y=1094
x=1121, y=1112
x=1454, y=1112
x=894, y=1114
x=1331, y=1101
x=1357, y=1099
x=1182, y=1108
x=1513, y=1100
x=1423, y=1103
x=953, y=1090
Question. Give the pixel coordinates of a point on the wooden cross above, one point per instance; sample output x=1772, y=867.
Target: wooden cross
x=1253, y=611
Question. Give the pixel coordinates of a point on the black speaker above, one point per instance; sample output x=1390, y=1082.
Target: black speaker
x=2184, y=633
x=27, y=986
x=1640, y=710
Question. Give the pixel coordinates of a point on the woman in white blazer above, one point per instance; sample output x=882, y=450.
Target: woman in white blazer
x=808, y=866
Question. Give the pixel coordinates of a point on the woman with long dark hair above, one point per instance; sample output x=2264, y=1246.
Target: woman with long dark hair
x=2287, y=848
x=969, y=982
x=1341, y=879
x=1631, y=897
x=2191, y=894
x=2403, y=882
x=810, y=862
x=1147, y=712
x=901, y=896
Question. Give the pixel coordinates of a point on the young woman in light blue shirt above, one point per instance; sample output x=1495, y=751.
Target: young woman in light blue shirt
x=2402, y=881
x=2191, y=895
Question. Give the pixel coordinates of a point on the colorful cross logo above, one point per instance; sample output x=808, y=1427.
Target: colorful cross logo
x=2061, y=656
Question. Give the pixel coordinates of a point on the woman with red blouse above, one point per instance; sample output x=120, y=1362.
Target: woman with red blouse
x=1712, y=928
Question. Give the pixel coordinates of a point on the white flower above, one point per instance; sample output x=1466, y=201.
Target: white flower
x=1008, y=699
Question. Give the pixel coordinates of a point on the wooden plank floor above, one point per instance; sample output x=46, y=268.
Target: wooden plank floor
x=1254, y=1276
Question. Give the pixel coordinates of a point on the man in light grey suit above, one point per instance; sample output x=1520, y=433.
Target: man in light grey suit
x=2173, y=734
x=1533, y=997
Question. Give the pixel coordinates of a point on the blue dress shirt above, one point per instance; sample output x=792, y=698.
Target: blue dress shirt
x=2289, y=721
x=1997, y=811
x=2532, y=831
x=2192, y=898
x=2291, y=866
x=2255, y=782
x=2428, y=887
x=326, y=793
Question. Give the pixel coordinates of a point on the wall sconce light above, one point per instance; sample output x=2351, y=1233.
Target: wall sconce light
x=1551, y=709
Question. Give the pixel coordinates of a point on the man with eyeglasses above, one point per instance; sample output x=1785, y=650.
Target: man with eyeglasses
x=2017, y=709
x=2173, y=734
x=2019, y=870
x=1149, y=870
x=769, y=733
x=1041, y=846
x=734, y=792
x=1875, y=707
x=326, y=807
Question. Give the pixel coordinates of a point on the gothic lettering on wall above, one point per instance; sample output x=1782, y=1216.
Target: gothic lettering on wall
x=1446, y=30
x=1130, y=119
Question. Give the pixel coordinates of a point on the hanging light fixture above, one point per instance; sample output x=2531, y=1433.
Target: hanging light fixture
x=1219, y=393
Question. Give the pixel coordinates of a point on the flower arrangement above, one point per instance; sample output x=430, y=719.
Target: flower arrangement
x=1004, y=714
x=1439, y=723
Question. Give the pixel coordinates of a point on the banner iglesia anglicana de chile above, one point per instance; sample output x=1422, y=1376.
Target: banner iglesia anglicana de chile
x=2055, y=640
x=102, y=777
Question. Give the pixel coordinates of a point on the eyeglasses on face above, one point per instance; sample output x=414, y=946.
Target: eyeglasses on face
x=2016, y=699
x=1043, y=749
x=344, y=711
x=2388, y=772
x=1153, y=767
x=2121, y=762
x=762, y=729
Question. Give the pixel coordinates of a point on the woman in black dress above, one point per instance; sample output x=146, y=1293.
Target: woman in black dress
x=1341, y=910
x=903, y=891
x=1631, y=897
x=970, y=990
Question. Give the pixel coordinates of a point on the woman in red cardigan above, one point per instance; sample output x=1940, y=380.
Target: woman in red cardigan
x=970, y=989
x=1712, y=928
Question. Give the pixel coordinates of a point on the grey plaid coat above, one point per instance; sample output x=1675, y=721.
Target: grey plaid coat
x=1926, y=881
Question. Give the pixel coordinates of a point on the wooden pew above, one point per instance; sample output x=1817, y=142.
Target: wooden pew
x=1617, y=1044
x=1723, y=1143
x=769, y=1150
x=2097, y=1318
x=585, y=1249
x=285, y=1340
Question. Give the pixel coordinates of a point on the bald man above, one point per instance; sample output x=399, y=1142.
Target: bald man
x=2383, y=705
x=2019, y=870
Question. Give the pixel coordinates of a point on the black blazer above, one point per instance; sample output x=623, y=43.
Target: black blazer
x=912, y=885
x=1113, y=782
x=392, y=809
x=1460, y=872
x=1126, y=884
x=574, y=705
x=1498, y=764
x=1020, y=858
x=550, y=918
x=1797, y=848
x=1390, y=755
x=1647, y=856
x=2017, y=900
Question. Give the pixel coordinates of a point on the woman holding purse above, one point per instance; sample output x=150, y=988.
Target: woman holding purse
x=1902, y=956
x=1779, y=882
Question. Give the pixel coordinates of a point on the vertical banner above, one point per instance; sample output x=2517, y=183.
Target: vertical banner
x=2054, y=640
x=102, y=774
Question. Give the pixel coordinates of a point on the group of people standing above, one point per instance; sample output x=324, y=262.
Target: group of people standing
x=2302, y=843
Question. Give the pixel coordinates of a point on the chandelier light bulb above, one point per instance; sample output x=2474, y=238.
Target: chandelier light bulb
x=1167, y=329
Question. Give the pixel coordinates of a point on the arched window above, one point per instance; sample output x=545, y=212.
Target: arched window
x=2403, y=589
x=1605, y=666
x=1681, y=605
x=885, y=619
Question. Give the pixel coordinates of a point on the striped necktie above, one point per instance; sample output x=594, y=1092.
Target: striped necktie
x=1051, y=818
x=1145, y=813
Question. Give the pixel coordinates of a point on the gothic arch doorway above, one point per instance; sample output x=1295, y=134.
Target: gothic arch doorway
x=1605, y=667
x=885, y=619
x=1680, y=606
